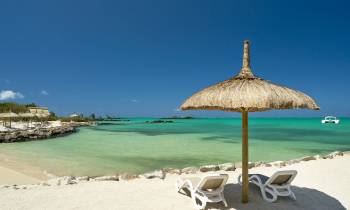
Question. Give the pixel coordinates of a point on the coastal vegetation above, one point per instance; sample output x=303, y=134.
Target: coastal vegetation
x=15, y=107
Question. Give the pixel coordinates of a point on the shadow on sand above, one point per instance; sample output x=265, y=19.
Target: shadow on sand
x=307, y=199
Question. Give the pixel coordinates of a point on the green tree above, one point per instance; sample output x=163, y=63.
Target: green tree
x=12, y=107
x=52, y=116
x=31, y=105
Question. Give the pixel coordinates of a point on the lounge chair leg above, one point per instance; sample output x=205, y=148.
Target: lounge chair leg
x=177, y=188
x=239, y=179
x=265, y=190
x=292, y=195
x=225, y=202
x=200, y=205
x=178, y=185
x=223, y=199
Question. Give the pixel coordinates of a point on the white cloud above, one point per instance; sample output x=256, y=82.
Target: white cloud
x=177, y=110
x=44, y=92
x=9, y=94
x=134, y=100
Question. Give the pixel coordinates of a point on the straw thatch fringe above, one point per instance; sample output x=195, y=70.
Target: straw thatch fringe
x=250, y=95
x=246, y=92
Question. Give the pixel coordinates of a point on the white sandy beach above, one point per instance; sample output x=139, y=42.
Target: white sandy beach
x=9, y=176
x=320, y=184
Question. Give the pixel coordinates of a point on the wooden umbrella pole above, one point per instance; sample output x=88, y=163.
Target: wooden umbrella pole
x=245, y=184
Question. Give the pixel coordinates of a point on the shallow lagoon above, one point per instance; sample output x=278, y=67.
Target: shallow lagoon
x=135, y=146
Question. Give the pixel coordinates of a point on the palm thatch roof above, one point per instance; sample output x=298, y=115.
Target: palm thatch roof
x=8, y=115
x=246, y=92
x=41, y=115
x=26, y=114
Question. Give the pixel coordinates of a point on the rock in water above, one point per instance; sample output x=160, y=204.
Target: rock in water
x=318, y=157
x=155, y=174
x=239, y=165
x=128, y=176
x=227, y=167
x=278, y=163
x=83, y=178
x=209, y=168
x=333, y=155
x=259, y=163
x=308, y=158
x=267, y=165
x=293, y=161
x=189, y=170
x=107, y=178
x=172, y=171
x=65, y=180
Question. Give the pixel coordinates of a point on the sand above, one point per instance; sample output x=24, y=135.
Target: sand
x=320, y=184
x=13, y=172
x=8, y=176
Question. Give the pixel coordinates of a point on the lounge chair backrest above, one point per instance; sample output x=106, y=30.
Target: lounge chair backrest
x=213, y=182
x=282, y=177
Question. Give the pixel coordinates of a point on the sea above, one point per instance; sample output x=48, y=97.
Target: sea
x=135, y=146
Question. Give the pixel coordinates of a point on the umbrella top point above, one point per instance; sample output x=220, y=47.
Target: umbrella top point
x=246, y=72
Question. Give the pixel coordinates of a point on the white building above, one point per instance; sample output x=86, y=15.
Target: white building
x=74, y=115
x=39, y=111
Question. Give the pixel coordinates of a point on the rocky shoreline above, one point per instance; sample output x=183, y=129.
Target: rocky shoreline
x=162, y=173
x=35, y=134
x=40, y=133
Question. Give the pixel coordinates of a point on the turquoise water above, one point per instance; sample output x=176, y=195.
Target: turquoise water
x=139, y=147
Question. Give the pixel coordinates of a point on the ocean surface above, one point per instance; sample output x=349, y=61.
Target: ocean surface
x=136, y=146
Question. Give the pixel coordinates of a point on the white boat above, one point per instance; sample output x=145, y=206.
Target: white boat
x=330, y=119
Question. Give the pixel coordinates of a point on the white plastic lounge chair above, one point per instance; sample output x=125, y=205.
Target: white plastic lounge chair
x=207, y=189
x=276, y=185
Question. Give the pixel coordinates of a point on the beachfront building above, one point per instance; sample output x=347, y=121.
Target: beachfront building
x=39, y=111
x=74, y=115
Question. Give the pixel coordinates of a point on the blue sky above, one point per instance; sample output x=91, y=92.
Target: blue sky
x=143, y=58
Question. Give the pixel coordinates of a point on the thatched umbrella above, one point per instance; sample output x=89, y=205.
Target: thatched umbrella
x=27, y=115
x=247, y=93
x=42, y=116
x=42, y=113
x=8, y=115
